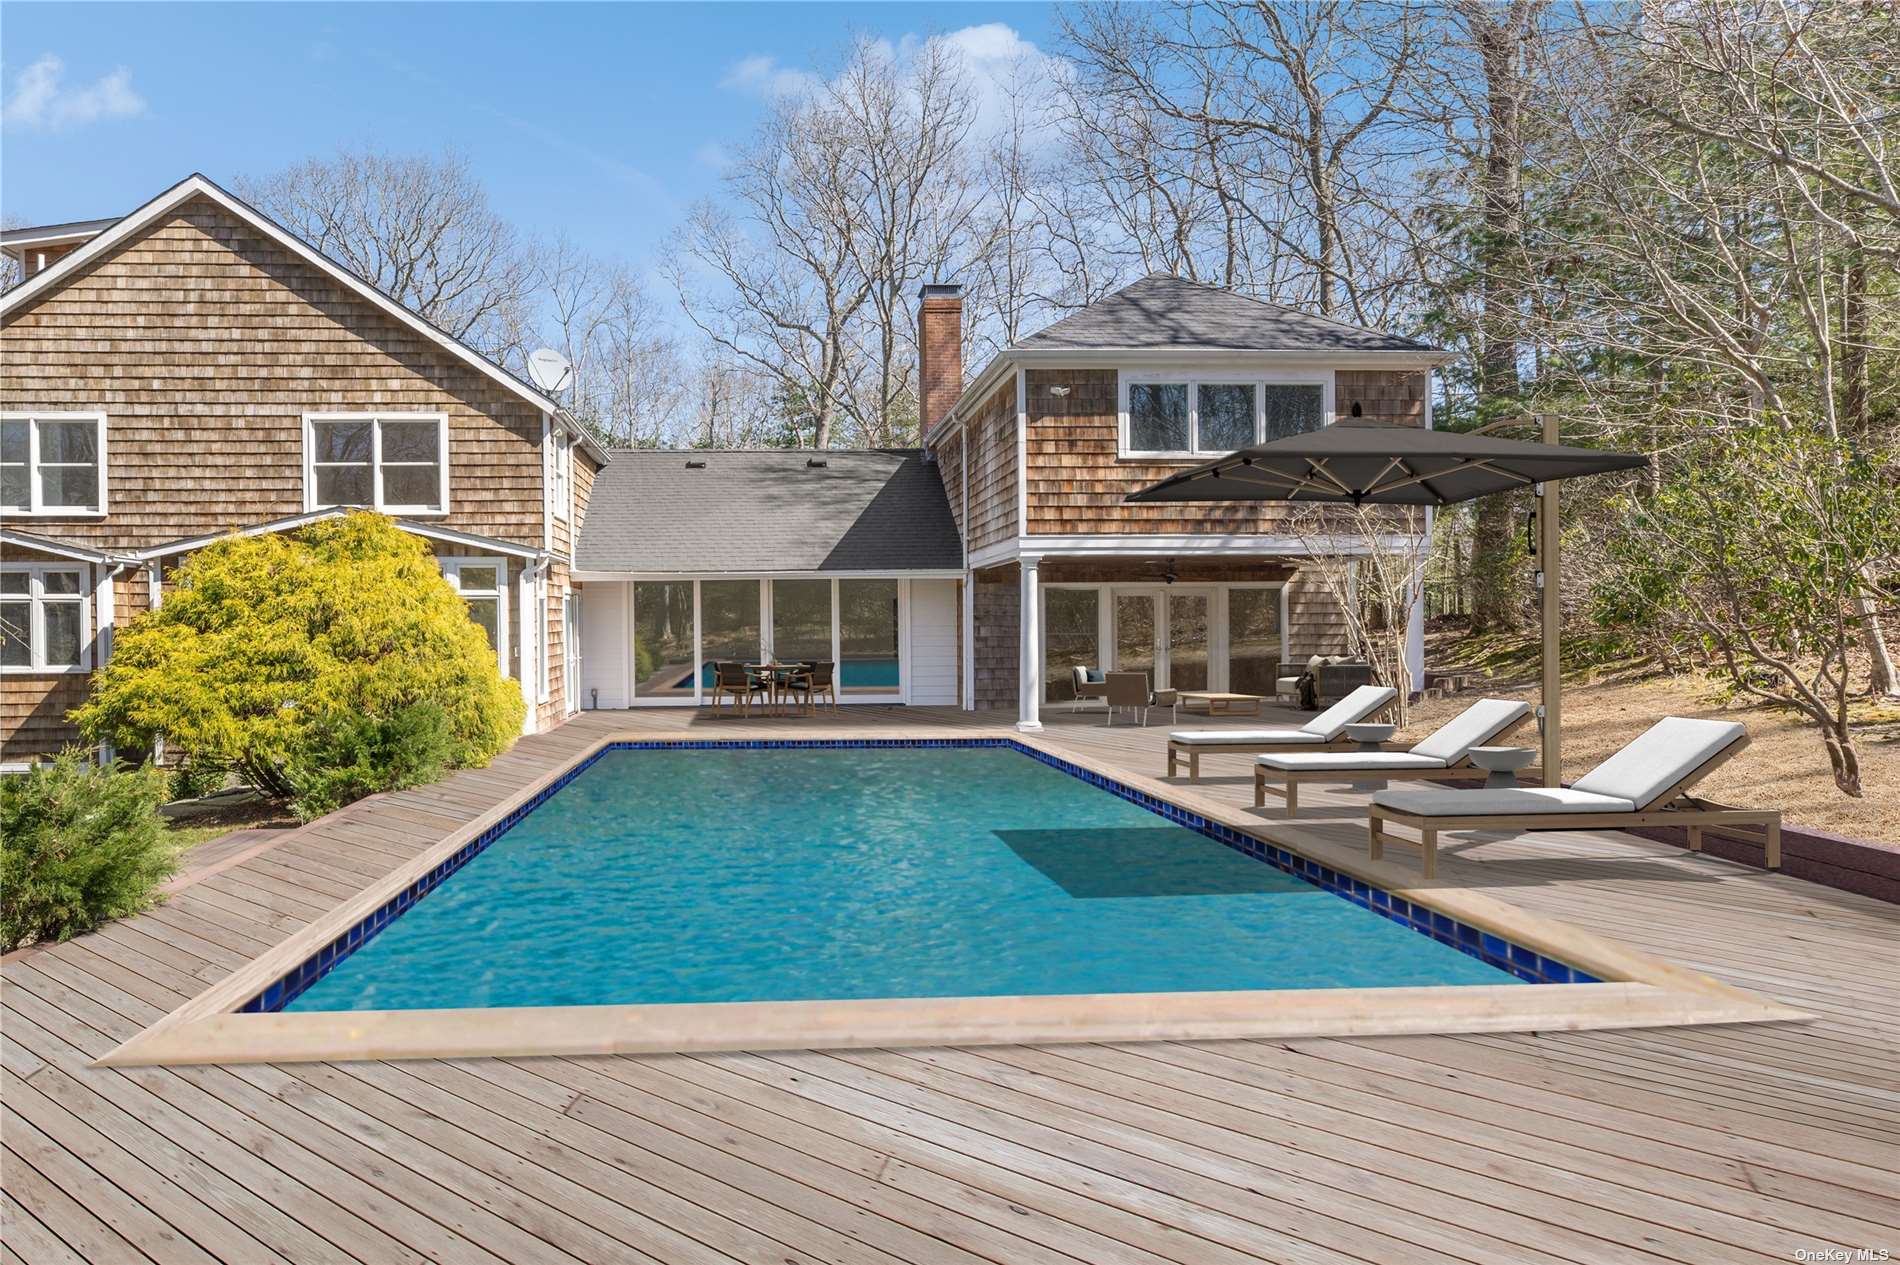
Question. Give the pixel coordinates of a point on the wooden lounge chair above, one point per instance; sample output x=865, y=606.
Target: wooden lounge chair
x=1328, y=729
x=1645, y=784
x=810, y=681
x=738, y=682
x=1443, y=753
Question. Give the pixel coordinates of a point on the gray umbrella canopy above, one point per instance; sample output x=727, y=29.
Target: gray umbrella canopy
x=1360, y=460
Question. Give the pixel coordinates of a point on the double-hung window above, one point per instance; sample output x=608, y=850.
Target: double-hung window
x=53, y=463
x=393, y=462
x=483, y=584
x=43, y=619
x=1186, y=416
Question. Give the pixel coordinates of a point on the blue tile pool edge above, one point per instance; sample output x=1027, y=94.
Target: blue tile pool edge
x=1525, y=964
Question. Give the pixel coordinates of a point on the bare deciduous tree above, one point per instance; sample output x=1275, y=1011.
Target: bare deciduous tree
x=420, y=229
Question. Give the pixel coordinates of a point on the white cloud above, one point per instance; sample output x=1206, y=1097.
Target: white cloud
x=1001, y=64
x=762, y=75
x=41, y=98
x=712, y=156
x=999, y=60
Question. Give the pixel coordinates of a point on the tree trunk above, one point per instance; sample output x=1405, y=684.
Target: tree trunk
x=1501, y=188
x=1844, y=759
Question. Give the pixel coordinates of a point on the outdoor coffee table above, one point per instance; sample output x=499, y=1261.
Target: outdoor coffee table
x=1370, y=737
x=1219, y=703
x=1501, y=764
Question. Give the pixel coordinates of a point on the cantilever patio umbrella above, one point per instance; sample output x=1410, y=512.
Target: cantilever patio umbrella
x=1361, y=461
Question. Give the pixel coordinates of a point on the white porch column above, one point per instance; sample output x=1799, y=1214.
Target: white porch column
x=1029, y=674
x=968, y=672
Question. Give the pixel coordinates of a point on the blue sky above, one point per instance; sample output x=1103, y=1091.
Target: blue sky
x=603, y=121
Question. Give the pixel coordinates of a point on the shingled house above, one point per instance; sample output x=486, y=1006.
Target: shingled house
x=194, y=369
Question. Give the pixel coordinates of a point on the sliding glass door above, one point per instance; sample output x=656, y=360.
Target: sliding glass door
x=681, y=628
x=663, y=639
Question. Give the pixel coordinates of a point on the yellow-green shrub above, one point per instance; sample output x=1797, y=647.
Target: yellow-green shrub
x=270, y=644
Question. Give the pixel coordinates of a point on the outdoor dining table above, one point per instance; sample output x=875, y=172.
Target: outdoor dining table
x=775, y=675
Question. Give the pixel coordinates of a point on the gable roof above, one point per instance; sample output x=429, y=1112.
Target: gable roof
x=61, y=548
x=428, y=531
x=1165, y=313
x=767, y=512
x=197, y=185
x=1167, y=319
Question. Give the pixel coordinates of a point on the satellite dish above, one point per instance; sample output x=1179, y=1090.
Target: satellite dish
x=549, y=370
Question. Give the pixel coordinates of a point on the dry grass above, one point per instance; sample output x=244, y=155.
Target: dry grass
x=1784, y=767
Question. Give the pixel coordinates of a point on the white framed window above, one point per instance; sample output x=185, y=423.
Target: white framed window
x=397, y=463
x=483, y=584
x=561, y=478
x=44, y=619
x=1205, y=415
x=53, y=464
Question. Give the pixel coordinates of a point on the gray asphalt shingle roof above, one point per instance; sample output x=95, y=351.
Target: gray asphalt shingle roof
x=768, y=511
x=1163, y=313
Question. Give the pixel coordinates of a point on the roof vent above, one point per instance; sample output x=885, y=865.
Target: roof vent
x=695, y=465
x=816, y=463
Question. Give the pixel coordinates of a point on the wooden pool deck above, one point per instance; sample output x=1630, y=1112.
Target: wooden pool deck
x=1709, y=1145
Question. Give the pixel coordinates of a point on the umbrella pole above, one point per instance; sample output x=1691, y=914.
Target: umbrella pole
x=1549, y=578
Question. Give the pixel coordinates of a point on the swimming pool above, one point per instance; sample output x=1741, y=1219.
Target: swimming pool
x=758, y=874
x=664, y=895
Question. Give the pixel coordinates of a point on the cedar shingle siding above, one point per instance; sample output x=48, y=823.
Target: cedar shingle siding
x=1077, y=483
x=204, y=342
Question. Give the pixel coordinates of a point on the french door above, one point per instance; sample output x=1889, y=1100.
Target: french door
x=1165, y=632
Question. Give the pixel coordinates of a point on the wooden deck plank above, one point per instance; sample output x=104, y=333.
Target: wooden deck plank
x=1714, y=1145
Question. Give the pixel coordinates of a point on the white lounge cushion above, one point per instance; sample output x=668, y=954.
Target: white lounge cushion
x=1664, y=754
x=1350, y=710
x=1260, y=737
x=1521, y=800
x=1475, y=726
x=1347, y=761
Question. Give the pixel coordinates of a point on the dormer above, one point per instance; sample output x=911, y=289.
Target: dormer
x=37, y=248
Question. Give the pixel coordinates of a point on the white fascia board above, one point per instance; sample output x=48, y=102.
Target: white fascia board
x=197, y=185
x=1238, y=545
x=1205, y=358
x=886, y=573
x=62, y=549
x=428, y=531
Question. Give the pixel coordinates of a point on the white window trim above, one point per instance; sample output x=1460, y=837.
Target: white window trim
x=563, y=479
x=376, y=419
x=35, y=508
x=452, y=572
x=36, y=603
x=1194, y=380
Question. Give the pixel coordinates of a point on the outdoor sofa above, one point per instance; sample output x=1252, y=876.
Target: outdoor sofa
x=1443, y=753
x=1327, y=729
x=1644, y=784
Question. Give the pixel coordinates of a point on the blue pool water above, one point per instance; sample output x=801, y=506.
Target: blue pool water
x=766, y=875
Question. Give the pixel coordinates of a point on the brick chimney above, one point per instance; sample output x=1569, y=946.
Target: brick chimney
x=939, y=352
